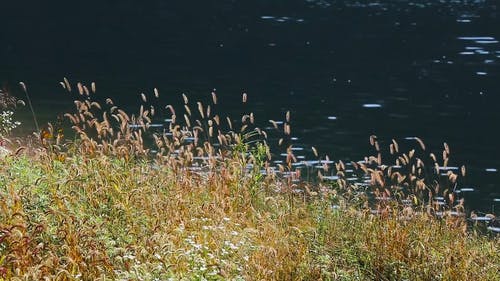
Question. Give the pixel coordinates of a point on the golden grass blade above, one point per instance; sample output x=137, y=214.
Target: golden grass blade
x=433, y=157
x=341, y=165
x=421, y=143
x=68, y=85
x=171, y=108
x=86, y=91
x=287, y=129
x=396, y=145
x=80, y=88
x=116, y=117
x=123, y=115
x=71, y=118
x=264, y=134
x=208, y=111
x=96, y=105
x=214, y=98
x=23, y=86
x=188, y=110
x=200, y=109
x=314, y=151
x=188, y=122
x=275, y=124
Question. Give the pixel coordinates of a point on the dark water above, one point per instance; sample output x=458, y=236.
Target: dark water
x=345, y=69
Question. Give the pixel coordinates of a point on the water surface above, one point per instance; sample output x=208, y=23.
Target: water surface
x=345, y=69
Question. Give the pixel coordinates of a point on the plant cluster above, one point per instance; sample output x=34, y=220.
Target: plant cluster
x=7, y=123
x=412, y=180
x=198, y=199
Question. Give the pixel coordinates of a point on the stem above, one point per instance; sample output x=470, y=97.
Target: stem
x=30, y=105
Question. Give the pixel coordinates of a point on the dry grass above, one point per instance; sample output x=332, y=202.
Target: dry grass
x=104, y=206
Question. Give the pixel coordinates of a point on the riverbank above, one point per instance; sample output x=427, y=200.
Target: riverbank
x=102, y=217
x=200, y=200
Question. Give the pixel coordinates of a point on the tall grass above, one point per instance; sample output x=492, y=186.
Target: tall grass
x=204, y=203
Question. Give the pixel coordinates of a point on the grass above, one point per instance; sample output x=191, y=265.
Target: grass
x=106, y=207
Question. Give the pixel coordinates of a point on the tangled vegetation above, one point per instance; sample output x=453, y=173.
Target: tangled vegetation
x=198, y=199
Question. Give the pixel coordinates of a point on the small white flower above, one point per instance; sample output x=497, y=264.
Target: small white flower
x=129, y=257
x=230, y=245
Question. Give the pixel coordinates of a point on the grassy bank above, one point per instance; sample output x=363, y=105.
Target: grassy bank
x=206, y=205
x=90, y=218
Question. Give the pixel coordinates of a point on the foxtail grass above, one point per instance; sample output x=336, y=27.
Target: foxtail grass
x=199, y=200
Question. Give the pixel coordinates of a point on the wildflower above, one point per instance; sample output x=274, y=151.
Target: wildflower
x=6, y=123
